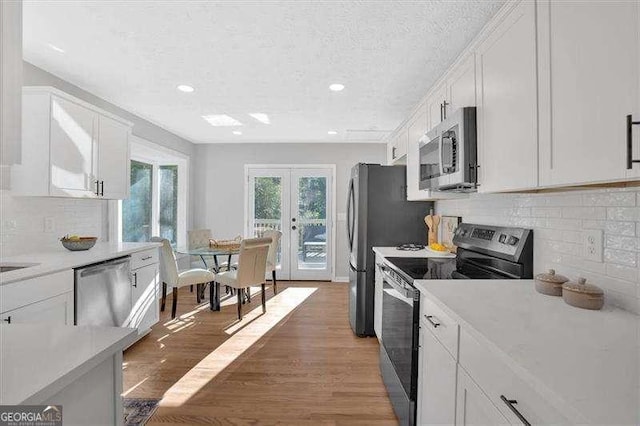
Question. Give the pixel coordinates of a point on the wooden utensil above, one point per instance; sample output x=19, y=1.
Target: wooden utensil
x=432, y=221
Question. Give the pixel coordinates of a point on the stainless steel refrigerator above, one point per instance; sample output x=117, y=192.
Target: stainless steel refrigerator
x=378, y=214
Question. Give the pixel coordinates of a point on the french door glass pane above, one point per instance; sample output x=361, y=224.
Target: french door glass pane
x=312, y=222
x=137, y=209
x=168, y=214
x=267, y=206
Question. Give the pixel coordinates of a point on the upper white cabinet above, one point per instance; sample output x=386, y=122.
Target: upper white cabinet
x=461, y=84
x=10, y=80
x=589, y=83
x=398, y=147
x=507, y=103
x=437, y=105
x=84, y=149
x=417, y=128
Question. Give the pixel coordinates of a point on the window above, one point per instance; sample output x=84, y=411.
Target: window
x=157, y=196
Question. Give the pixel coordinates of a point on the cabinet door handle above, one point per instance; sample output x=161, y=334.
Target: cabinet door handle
x=630, y=124
x=511, y=404
x=441, y=112
x=444, y=109
x=98, y=188
x=432, y=320
x=135, y=279
x=393, y=152
x=102, y=188
x=146, y=258
x=7, y=319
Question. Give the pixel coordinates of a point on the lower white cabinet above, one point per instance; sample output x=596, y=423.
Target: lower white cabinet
x=377, y=299
x=57, y=310
x=144, y=294
x=473, y=407
x=436, y=381
x=48, y=298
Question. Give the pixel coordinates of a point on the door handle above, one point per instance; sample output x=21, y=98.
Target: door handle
x=630, y=124
x=102, y=188
x=432, y=321
x=7, y=319
x=511, y=404
x=444, y=109
x=98, y=188
x=135, y=280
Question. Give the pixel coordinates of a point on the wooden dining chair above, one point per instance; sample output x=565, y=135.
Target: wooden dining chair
x=272, y=256
x=171, y=276
x=252, y=264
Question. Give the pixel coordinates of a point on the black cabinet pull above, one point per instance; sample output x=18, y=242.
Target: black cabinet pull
x=98, y=188
x=146, y=258
x=135, y=279
x=430, y=318
x=444, y=109
x=630, y=124
x=511, y=404
x=441, y=112
x=7, y=319
x=102, y=188
x=393, y=152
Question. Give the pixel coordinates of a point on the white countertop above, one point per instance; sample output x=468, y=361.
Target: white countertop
x=38, y=360
x=60, y=259
x=585, y=363
x=394, y=252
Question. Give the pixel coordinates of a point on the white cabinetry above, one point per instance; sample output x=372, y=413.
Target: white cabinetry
x=507, y=103
x=461, y=84
x=144, y=291
x=10, y=80
x=417, y=128
x=397, y=147
x=43, y=299
x=436, y=380
x=473, y=407
x=589, y=78
x=71, y=148
x=437, y=105
x=377, y=299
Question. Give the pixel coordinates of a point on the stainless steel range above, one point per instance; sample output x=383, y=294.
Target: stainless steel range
x=484, y=252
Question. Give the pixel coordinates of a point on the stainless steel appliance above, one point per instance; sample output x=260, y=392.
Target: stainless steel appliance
x=378, y=214
x=103, y=293
x=484, y=252
x=448, y=154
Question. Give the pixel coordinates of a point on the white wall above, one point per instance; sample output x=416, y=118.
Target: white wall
x=72, y=216
x=559, y=221
x=219, y=181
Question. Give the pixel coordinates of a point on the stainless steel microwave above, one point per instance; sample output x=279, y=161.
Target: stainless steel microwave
x=448, y=154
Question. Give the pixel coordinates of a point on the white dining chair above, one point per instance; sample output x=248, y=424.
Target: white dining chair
x=272, y=261
x=252, y=264
x=170, y=275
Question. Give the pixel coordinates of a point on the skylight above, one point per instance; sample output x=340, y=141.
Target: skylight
x=221, y=120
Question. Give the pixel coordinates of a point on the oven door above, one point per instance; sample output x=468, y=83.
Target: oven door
x=430, y=169
x=400, y=312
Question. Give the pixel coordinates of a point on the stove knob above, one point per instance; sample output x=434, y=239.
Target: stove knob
x=513, y=240
x=502, y=238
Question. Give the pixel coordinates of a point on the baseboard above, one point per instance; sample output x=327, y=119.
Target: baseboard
x=341, y=279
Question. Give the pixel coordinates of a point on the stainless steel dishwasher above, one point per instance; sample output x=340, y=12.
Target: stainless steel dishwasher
x=103, y=293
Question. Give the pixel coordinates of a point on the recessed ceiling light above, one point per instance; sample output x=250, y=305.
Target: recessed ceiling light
x=336, y=87
x=56, y=48
x=237, y=132
x=221, y=120
x=332, y=132
x=185, y=88
x=261, y=117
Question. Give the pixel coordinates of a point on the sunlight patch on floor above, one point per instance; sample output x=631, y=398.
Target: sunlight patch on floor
x=132, y=388
x=253, y=326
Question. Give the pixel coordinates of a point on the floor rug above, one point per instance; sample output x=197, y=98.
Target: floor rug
x=137, y=411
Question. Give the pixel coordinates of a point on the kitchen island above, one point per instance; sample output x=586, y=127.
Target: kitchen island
x=77, y=367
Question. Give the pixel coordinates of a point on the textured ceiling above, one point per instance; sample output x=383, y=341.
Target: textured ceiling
x=273, y=57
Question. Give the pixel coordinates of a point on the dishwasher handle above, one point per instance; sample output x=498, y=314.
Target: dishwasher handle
x=99, y=268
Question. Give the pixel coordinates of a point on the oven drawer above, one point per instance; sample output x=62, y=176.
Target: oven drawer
x=440, y=324
x=500, y=383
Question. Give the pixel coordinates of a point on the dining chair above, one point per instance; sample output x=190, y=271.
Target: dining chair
x=252, y=264
x=171, y=276
x=272, y=260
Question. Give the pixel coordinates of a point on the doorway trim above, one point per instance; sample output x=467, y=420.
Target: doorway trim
x=332, y=167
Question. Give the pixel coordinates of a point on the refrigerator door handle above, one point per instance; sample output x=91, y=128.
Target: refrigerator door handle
x=350, y=215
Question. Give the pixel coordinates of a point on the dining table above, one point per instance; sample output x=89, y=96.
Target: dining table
x=213, y=253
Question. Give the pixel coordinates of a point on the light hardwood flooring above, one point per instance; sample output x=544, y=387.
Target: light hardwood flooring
x=297, y=364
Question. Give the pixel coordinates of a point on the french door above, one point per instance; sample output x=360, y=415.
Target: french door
x=297, y=202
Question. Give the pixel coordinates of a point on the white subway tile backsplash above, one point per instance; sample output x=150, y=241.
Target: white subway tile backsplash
x=559, y=221
x=70, y=216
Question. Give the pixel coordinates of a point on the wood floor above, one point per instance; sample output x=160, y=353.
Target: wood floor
x=297, y=364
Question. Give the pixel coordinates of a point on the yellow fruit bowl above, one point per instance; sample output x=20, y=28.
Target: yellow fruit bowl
x=438, y=247
x=75, y=243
